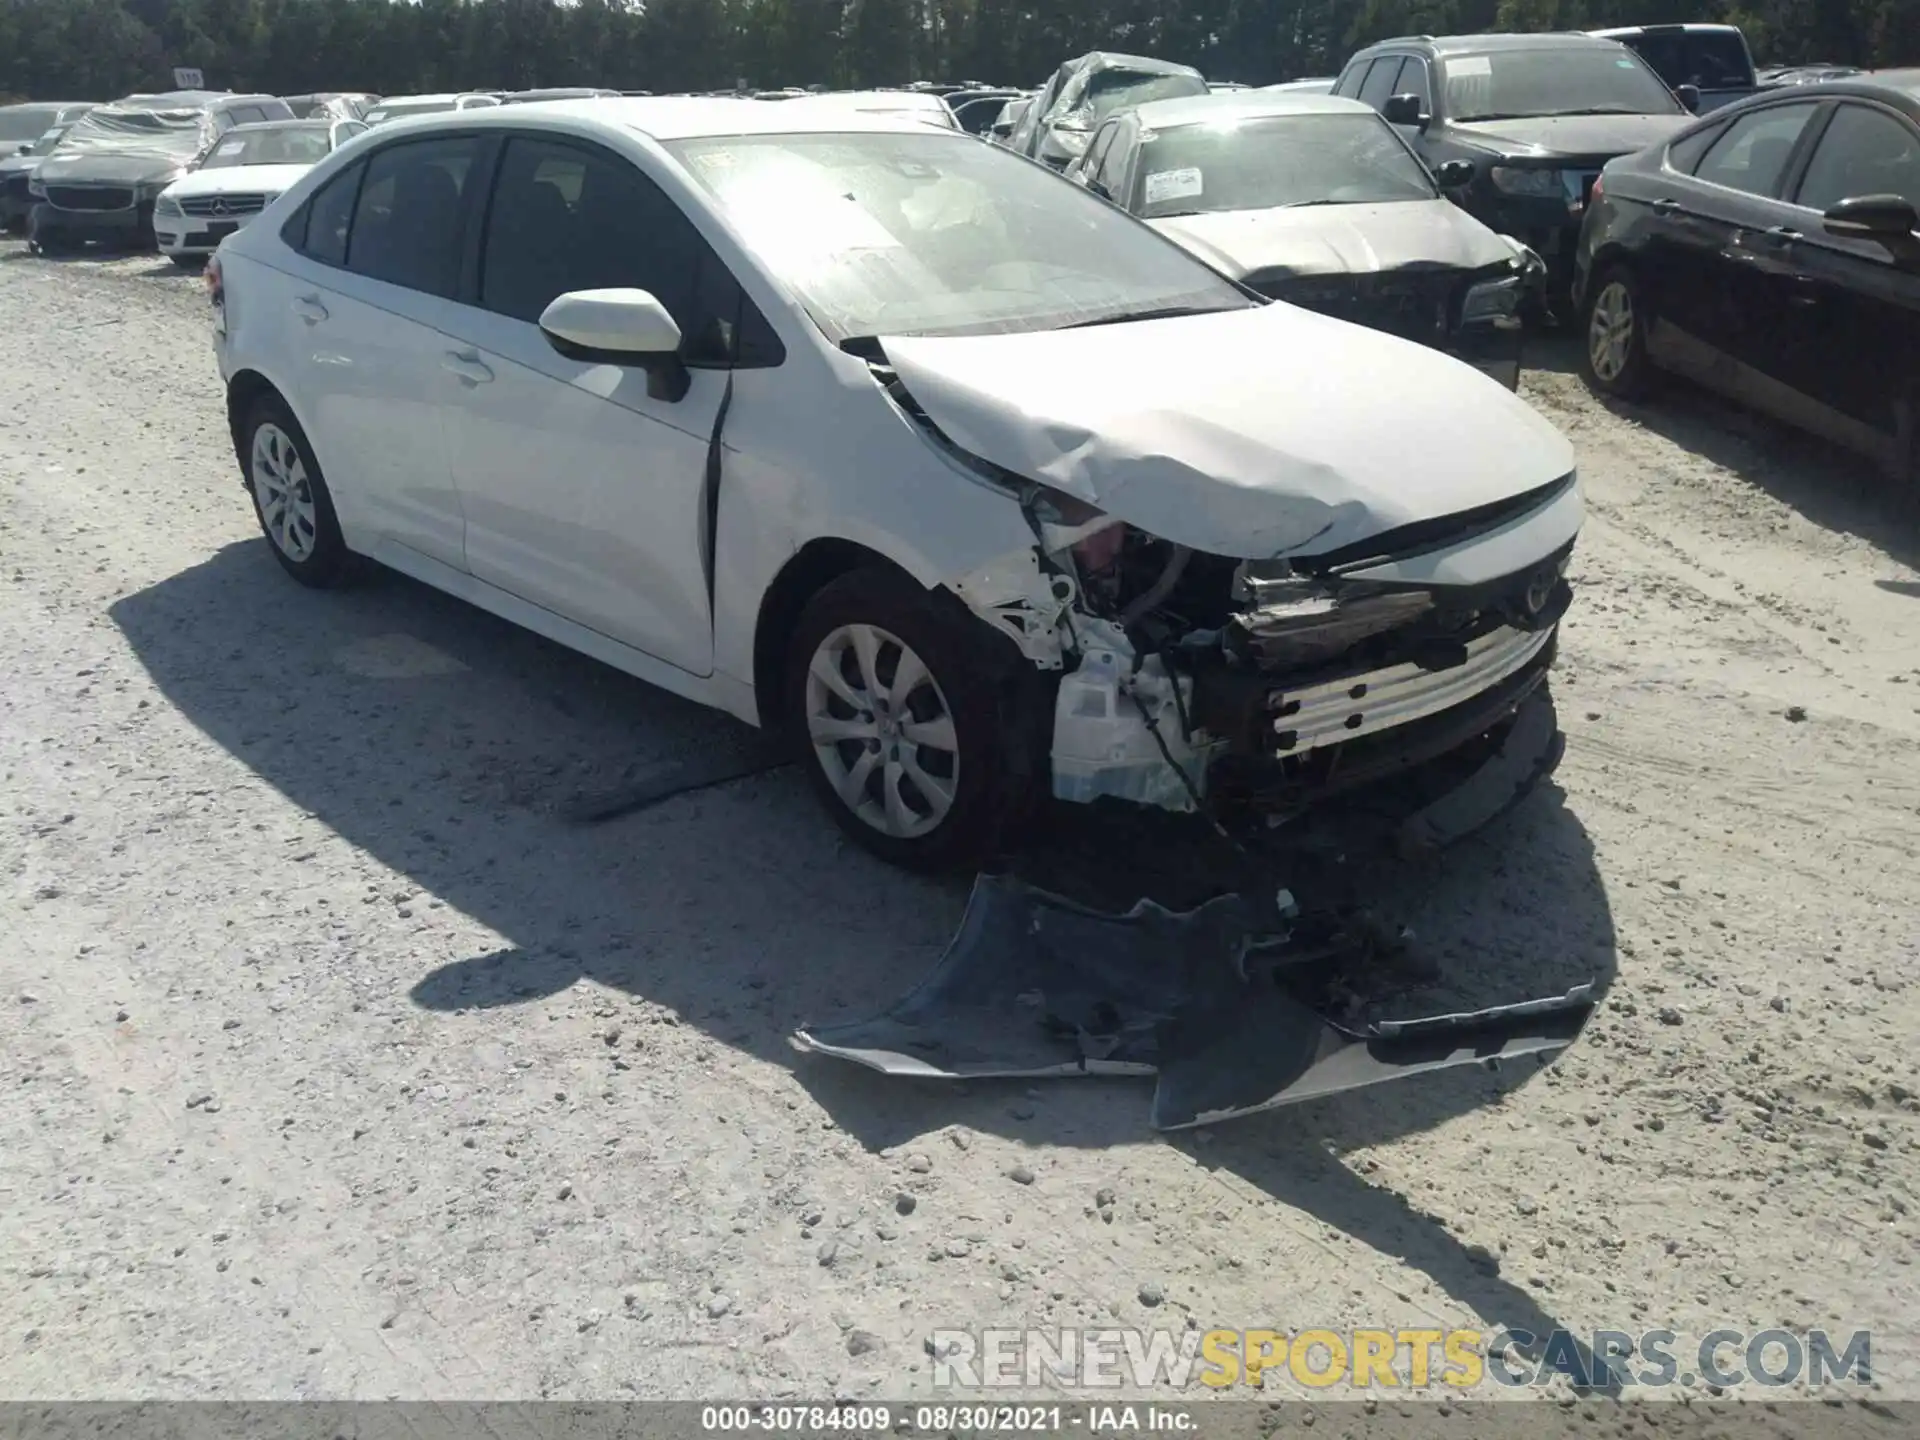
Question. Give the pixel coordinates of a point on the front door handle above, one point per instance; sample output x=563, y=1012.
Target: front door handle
x=1666, y=207
x=1785, y=234
x=467, y=367
x=309, y=309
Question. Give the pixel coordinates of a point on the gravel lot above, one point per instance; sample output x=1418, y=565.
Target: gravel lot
x=340, y=1065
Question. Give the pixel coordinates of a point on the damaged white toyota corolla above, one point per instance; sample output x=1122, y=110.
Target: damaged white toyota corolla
x=898, y=442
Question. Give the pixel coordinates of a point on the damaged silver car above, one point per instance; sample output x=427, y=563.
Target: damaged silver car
x=978, y=488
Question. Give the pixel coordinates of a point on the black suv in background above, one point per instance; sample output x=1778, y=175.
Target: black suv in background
x=1535, y=115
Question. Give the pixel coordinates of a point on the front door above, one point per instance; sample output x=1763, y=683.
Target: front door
x=1853, y=321
x=583, y=493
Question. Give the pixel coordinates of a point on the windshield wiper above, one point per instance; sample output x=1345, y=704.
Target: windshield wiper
x=1166, y=312
x=1597, y=110
x=1302, y=204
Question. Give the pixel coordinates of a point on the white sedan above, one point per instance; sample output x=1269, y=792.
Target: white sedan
x=975, y=486
x=237, y=179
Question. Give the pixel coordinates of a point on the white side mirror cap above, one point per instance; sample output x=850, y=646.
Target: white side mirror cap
x=612, y=322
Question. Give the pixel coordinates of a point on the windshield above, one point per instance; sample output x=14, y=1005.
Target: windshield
x=1275, y=160
x=410, y=107
x=1111, y=90
x=931, y=234
x=1562, y=80
x=159, y=134
x=21, y=123
x=285, y=145
x=1710, y=59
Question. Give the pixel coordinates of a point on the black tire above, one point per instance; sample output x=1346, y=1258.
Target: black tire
x=1619, y=370
x=308, y=546
x=192, y=263
x=977, y=679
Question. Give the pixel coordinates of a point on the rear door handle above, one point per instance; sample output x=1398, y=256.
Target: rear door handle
x=1784, y=234
x=309, y=309
x=467, y=367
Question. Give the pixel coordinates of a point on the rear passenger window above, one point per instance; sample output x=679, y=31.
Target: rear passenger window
x=570, y=217
x=1350, y=80
x=318, y=229
x=1379, y=86
x=1752, y=153
x=1684, y=154
x=408, y=221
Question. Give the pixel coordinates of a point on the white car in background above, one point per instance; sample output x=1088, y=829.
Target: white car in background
x=857, y=429
x=401, y=107
x=243, y=174
x=918, y=105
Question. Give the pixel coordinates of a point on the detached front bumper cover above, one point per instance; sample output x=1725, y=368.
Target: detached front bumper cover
x=1219, y=1002
x=1035, y=986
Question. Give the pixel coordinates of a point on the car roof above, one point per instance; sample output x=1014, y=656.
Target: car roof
x=325, y=122
x=1244, y=105
x=1445, y=45
x=1907, y=81
x=902, y=99
x=388, y=100
x=685, y=117
x=1693, y=27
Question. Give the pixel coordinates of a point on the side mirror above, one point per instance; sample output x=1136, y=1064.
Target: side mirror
x=619, y=327
x=1689, y=97
x=1873, y=217
x=1403, y=110
x=23, y=147
x=1454, y=174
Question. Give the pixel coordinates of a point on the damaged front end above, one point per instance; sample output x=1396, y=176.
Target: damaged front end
x=1249, y=691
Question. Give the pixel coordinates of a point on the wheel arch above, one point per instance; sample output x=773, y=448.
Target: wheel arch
x=245, y=389
x=811, y=568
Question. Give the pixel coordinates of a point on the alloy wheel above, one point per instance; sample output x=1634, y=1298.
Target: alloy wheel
x=1610, y=332
x=882, y=731
x=285, y=495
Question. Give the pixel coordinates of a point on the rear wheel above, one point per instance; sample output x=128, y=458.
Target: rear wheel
x=1613, y=353
x=290, y=497
x=896, y=703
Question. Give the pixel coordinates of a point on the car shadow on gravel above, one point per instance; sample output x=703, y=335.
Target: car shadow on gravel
x=448, y=746
x=1832, y=488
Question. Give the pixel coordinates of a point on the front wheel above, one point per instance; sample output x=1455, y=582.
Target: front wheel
x=290, y=497
x=1613, y=354
x=896, y=703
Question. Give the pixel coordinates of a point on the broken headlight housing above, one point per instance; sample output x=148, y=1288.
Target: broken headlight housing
x=1491, y=300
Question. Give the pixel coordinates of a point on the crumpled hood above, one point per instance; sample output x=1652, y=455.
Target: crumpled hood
x=1338, y=239
x=1572, y=135
x=133, y=168
x=1245, y=433
x=237, y=180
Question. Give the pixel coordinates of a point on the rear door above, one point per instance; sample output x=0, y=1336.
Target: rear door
x=374, y=303
x=1853, y=323
x=1728, y=232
